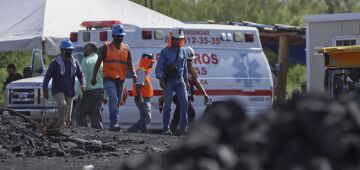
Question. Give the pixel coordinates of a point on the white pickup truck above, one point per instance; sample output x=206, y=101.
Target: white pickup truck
x=26, y=95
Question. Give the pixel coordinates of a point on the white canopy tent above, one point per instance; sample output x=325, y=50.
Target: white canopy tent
x=28, y=24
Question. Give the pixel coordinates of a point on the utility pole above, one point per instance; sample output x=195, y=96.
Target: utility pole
x=282, y=67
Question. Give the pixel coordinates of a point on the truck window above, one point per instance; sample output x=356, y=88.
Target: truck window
x=78, y=53
x=37, y=68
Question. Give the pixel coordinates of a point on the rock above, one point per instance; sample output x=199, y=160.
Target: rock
x=60, y=153
x=28, y=154
x=39, y=153
x=69, y=146
x=4, y=153
x=93, y=148
x=78, y=152
x=88, y=167
x=16, y=148
x=113, y=154
x=127, y=153
x=107, y=148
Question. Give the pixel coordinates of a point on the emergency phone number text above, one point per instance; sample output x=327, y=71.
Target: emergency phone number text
x=200, y=40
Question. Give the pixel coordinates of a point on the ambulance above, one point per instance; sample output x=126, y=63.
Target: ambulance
x=229, y=60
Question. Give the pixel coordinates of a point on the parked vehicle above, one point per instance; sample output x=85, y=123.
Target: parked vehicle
x=229, y=60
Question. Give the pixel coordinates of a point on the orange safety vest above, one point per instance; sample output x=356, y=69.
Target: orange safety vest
x=115, y=61
x=146, y=89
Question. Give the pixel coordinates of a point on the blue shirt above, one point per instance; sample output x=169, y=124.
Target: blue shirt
x=63, y=83
x=168, y=57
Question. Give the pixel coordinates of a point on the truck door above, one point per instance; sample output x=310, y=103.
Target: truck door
x=37, y=63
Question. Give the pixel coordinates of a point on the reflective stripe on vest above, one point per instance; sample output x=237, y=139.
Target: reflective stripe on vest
x=146, y=89
x=115, y=61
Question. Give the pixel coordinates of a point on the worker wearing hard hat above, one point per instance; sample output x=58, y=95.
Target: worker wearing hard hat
x=116, y=57
x=142, y=92
x=193, y=82
x=171, y=70
x=62, y=71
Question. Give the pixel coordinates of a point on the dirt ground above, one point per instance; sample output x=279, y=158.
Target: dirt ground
x=308, y=132
x=71, y=155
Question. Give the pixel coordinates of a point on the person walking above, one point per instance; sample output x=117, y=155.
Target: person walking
x=194, y=81
x=13, y=75
x=116, y=57
x=142, y=92
x=91, y=100
x=171, y=70
x=62, y=70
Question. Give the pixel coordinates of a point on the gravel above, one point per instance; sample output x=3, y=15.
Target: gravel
x=310, y=132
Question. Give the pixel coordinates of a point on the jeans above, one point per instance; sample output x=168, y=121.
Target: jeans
x=177, y=85
x=64, y=109
x=145, y=115
x=114, y=90
x=91, y=104
x=176, y=117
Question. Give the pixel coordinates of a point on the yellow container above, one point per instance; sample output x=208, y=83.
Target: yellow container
x=342, y=56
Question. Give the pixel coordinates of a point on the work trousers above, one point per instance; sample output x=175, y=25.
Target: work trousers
x=64, y=109
x=114, y=91
x=176, y=117
x=178, y=86
x=145, y=116
x=90, y=105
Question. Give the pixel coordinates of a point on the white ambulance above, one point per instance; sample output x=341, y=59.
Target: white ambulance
x=229, y=61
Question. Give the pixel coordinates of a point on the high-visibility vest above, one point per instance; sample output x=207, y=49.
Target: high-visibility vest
x=115, y=61
x=146, y=89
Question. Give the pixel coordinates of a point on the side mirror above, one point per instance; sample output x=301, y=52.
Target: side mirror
x=27, y=72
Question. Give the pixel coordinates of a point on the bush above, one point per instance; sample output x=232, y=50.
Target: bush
x=296, y=75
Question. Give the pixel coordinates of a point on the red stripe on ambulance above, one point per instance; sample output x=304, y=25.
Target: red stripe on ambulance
x=223, y=92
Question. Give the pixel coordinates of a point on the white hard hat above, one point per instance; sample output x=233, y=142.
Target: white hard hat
x=190, y=53
x=178, y=33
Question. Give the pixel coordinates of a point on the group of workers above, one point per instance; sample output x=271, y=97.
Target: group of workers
x=105, y=69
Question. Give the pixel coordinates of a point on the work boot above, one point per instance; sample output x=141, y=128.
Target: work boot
x=144, y=130
x=166, y=132
x=116, y=127
x=181, y=132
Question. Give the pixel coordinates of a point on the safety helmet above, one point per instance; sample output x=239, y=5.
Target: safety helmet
x=190, y=53
x=146, y=60
x=149, y=56
x=66, y=44
x=118, y=30
x=178, y=33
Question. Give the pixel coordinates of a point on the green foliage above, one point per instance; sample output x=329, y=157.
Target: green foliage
x=290, y=12
x=19, y=59
x=296, y=75
x=271, y=57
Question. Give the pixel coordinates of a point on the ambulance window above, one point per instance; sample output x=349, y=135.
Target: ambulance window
x=159, y=34
x=146, y=35
x=238, y=37
x=223, y=36
x=251, y=65
x=86, y=36
x=229, y=36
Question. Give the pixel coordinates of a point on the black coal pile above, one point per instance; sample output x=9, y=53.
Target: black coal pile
x=21, y=139
x=311, y=132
